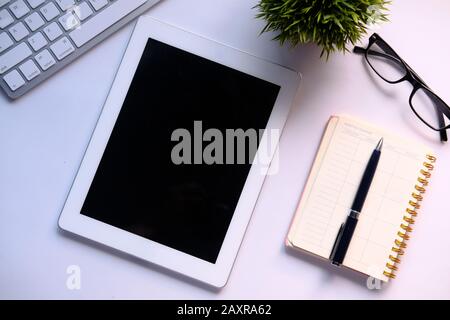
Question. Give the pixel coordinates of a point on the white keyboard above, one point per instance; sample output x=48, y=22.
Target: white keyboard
x=39, y=37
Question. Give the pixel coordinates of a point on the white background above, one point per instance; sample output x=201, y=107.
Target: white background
x=44, y=134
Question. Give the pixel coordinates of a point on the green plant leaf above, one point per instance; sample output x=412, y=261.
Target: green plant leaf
x=331, y=24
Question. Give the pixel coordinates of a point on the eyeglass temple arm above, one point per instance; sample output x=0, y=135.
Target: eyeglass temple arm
x=379, y=54
x=359, y=50
x=440, y=115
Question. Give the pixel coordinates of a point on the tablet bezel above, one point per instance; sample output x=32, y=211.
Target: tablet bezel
x=73, y=221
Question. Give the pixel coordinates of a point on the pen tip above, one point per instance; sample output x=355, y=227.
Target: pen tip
x=379, y=145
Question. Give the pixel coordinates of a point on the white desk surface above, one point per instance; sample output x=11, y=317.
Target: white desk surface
x=43, y=136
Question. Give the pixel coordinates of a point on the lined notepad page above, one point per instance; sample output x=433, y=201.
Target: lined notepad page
x=337, y=171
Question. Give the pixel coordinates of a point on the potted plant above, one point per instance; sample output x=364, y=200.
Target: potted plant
x=331, y=24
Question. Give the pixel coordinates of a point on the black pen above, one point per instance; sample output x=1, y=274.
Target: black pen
x=347, y=229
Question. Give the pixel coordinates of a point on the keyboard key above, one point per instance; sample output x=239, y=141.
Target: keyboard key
x=18, y=31
x=65, y=4
x=5, y=41
x=50, y=11
x=62, y=48
x=45, y=60
x=83, y=11
x=5, y=19
x=14, y=80
x=52, y=31
x=98, y=4
x=19, y=8
x=35, y=3
x=37, y=41
x=29, y=70
x=68, y=21
x=103, y=20
x=3, y=2
x=13, y=57
x=34, y=21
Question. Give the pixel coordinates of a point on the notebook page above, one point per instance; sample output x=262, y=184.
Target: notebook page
x=332, y=185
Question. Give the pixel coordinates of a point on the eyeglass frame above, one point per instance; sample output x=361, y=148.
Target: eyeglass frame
x=411, y=76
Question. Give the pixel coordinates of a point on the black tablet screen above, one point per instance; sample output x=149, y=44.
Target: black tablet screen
x=139, y=187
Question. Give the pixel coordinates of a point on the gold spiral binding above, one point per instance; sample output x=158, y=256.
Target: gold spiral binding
x=426, y=174
x=400, y=244
x=399, y=251
x=428, y=165
x=408, y=218
x=417, y=196
x=414, y=204
x=419, y=188
x=403, y=235
x=393, y=267
x=423, y=181
x=406, y=227
x=394, y=259
x=411, y=212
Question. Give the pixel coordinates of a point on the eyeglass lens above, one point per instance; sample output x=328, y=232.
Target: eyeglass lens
x=385, y=63
x=428, y=106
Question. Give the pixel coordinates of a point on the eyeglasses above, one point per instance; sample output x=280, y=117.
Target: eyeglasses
x=425, y=104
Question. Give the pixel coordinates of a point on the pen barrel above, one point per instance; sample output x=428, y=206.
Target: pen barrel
x=344, y=238
x=347, y=229
x=366, y=181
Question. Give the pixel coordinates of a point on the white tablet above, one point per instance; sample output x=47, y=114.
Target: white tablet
x=175, y=164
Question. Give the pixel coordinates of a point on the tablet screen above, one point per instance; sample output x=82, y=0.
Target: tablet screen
x=159, y=177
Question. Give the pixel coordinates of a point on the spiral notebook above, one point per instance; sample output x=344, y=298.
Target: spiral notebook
x=392, y=204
